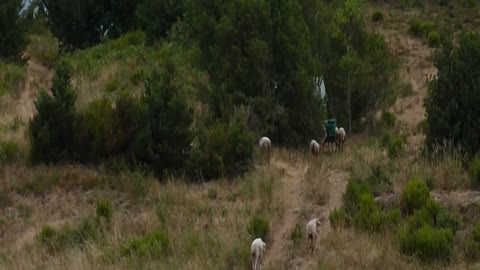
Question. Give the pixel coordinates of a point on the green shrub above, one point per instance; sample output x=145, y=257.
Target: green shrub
x=352, y=197
x=258, y=227
x=224, y=150
x=69, y=236
x=472, y=244
x=12, y=78
x=433, y=39
x=377, y=15
x=420, y=28
x=133, y=38
x=104, y=209
x=154, y=244
x=8, y=151
x=296, y=235
x=393, y=143
x=474, y=171
x=44, y=48
x=51, y=131
x=388, y=119
x=378, y=181
x=338, y=218
x=112, y=85
x=138, y=76
x=415, y=195
x=369, y=217
x=428, y=244
x=46, y=234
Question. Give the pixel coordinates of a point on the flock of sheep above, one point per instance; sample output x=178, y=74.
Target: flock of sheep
x=313, y=226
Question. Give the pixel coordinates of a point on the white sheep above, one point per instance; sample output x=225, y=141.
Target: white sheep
x=341, y=137
x=313, y=227
x=266, y=144
x=257, y=249
x=314, y=147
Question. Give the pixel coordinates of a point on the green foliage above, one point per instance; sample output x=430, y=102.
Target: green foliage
x=132, y=38
x=472, y=244
x=352, y=197
x=296, y=235
x=12, y=78
x=427, y=243
x=420, y=28
x=474, y=171
x=8, y=151
x=377, y=15
x=393, y=143
x=224, y=150
x=338, y=218
x=163, y=141
x=433, y=39
x=156, y=17
x=153, y=244
x=378, y=181
x=112, y=85
x=415, y=195
x=51, y=130
x=258, y=227
x=104, y=209
x=388, y=119
x=452, y=101
x=72, y=236
x=44, y=48
x=12, y=31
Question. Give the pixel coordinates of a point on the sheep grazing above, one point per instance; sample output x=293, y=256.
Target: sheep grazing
x=341, y=137
x=266, y=144
x=313, y=227
x=257, y=249
x=314, y=147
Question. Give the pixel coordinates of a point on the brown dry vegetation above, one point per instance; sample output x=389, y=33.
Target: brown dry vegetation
x=206, y=223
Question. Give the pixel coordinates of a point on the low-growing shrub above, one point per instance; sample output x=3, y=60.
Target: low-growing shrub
x=377, y=15
x=388, y=119
x=12, y=78
x=296, y=235
x=472, y=244
x=338, y=218
x=73, y=236
x=46, y=234
x=378, y=181
x=154, y=244
x=415, y=195
x=112, y=85
x=8, y=151
x=420, y=28
x=433, y=39
x=258, y=227
x=427, y=243
x=474, y=172
x=104, y=209
x=44, y=48
x=393, y=143
x=352, y=197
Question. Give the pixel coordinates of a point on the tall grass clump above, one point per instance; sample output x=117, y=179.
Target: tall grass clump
x=474, y=172
x=12, y=78
x=258, y=227
x=155, y=244
x=44, y=48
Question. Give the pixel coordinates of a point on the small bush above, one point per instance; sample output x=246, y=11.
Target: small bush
x=369, y=217
x=388, y=119
x=12, y=78
x=474, y=172
x=352, y=197
x=68, y=236
x=258, y=227
x=378, y=181
x=420, y=28
x=296, y=235
x=44, y=48
x=104, y=209
x=377, y=15
x=154, y=244
x=133, y=38
x=112, y=85
x=433, y=39
x=472, y=245
x=428, y=244
x=394, y=144
x=338, y=218
x=8, y=151
x=415, y=195
x=46, y=234
x=138, y=76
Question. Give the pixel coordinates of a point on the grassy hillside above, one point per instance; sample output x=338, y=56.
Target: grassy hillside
x=71, y=216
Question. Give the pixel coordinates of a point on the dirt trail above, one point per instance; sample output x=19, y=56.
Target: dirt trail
x=293, y=184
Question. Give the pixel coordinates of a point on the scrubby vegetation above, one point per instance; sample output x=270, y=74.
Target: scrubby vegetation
x=150, y=98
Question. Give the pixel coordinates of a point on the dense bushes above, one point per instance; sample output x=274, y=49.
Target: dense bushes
x=453, y=98
x=428, y=243
x=12, y=31
x=52, y=129
x=474, y=172
x=415, y=196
